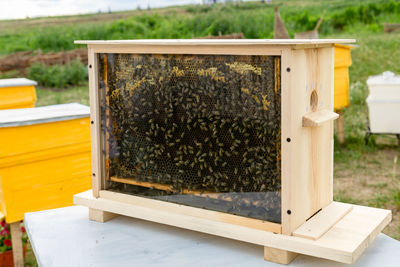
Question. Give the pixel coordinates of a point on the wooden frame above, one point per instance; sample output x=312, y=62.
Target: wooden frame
x=306, y=144
x=95, y=123
x=342, y=242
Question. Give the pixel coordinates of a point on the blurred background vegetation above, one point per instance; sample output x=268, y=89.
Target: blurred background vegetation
x=254, y=19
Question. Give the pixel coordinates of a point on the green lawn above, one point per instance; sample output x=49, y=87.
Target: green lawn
x=51, y=96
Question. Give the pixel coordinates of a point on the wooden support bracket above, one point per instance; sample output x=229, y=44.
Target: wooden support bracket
x=100, y=215
x=278, y=255
x=319, y=117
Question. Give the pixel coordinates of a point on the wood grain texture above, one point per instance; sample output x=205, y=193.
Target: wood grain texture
x=344, y=242
x=307, y=169
x=106, y=120
x=195, y=50
x=278, y=255
x=95, y=123
x=203, y=42
x=286, y=132
x=324, y=220
x=100, y=215
x=191, y=211
x=318, y=118
x=207, y=46
x=18, y=250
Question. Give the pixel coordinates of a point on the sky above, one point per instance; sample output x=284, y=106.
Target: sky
x=18, y=9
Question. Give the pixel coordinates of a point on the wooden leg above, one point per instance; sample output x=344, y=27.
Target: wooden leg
x=16, y=239
x=100, y=215
x=278, y=255
x=340, y=127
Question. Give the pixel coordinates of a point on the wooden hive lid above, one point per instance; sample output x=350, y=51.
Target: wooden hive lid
x=270, y=42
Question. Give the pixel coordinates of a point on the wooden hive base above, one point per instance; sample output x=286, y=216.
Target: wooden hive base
x=340, y=232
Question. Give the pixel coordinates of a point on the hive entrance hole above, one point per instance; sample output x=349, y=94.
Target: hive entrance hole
x=314, y=100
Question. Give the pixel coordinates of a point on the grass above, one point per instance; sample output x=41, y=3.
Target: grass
x=51, y=96
x=30, y=259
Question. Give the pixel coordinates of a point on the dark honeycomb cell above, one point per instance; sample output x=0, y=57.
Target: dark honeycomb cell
x=200, y=130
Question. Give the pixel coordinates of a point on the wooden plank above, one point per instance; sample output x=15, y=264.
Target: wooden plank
x=356, y=231
x=106, y=120
x=344, y=242
x=187, y=210
x=278, y=255
x=181, y=209
x=205, y=42
x=307, y=152
x=318, y=118
x=197, y=50
x=286, y=147
x=18, y=251
x=95, y=123
x=320, y=180
x=100, y=215
x=324, y=220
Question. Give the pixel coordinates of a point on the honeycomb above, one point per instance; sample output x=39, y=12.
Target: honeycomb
x=200, y=130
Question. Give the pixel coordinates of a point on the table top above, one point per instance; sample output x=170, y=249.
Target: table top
x=66, y=237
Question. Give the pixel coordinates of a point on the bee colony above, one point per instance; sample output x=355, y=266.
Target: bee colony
x=228, y=137
x=196, y=130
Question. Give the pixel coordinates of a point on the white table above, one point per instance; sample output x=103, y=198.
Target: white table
x=66, y=237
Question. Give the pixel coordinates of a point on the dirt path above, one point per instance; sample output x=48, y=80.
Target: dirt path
x=373, y=179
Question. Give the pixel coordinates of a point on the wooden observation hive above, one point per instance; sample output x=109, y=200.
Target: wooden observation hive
x=228, y=137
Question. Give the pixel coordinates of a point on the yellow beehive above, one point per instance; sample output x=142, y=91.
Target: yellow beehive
x=342, y=63
x=17, y=93
x=44, y=158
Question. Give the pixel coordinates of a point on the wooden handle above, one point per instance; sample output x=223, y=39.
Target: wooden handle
x=319, y=117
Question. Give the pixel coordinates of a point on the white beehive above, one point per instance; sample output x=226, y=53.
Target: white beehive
x=384, y=103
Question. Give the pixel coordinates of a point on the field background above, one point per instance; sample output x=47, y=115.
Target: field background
x=364, y=174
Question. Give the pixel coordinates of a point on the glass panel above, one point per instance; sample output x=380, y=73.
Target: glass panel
x=199, y=130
